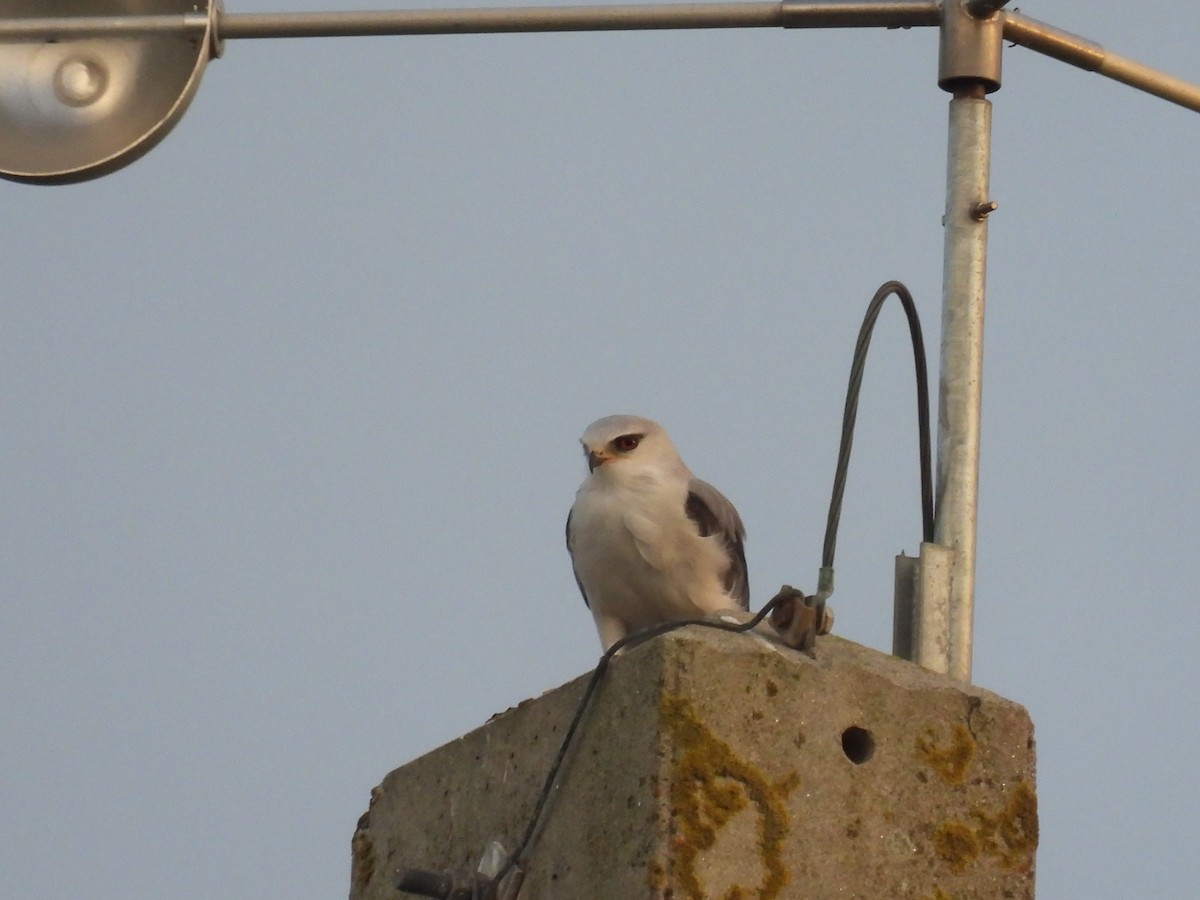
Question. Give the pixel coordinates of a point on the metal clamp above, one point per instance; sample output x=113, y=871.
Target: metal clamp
x=495, y=879
x=800, y=618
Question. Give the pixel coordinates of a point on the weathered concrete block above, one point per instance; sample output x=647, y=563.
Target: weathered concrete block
x=719, y=767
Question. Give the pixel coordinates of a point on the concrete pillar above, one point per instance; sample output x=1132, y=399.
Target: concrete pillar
x=721, y=767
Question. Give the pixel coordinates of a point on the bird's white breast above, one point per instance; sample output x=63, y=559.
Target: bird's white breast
x=637, y=554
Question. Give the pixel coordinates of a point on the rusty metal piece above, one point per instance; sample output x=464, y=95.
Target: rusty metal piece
x=800, y=619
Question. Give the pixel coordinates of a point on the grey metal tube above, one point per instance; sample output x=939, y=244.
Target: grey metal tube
x=967, y=170
x=1152, y=81
x=498, y=20
x=861, y=14
x=67, y=27
x=790, y=14
x=1088, y=55
x=1053, y=42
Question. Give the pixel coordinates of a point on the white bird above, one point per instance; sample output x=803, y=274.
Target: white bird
x=649, y=541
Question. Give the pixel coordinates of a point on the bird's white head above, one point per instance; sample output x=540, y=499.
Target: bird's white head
x=620, y=445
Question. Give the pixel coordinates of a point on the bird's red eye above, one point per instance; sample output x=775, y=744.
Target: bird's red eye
x=627, y=442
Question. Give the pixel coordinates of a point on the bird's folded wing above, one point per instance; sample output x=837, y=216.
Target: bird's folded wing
x=715, y=516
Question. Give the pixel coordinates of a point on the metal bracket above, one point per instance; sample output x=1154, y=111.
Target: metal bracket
x=970, y=49
x=921, y=623
x=481, y=885
x=800, y=618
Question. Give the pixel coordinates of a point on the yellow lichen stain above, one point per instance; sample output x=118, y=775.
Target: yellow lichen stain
x=950, y=760
x=956, y=844
x=1009, y=836
x=710, y=785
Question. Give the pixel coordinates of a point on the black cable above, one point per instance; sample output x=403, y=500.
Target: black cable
x=851, y=413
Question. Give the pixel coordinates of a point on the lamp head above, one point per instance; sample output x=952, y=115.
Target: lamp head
x=79, y=107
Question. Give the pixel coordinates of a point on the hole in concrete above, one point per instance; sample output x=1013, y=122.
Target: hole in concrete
x=858, y=744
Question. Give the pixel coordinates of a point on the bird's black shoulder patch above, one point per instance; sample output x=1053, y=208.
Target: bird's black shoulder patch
x=736, y=580
x=700, y=513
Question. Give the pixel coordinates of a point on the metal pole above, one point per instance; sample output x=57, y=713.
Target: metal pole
x=969, y=67
x=618, y=17
x=1088, y=55
x=501, y=20
x=962, y=358
x=63, y=28
x=788, y=14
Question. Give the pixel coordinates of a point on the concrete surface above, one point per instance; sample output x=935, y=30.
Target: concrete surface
x=720, y=767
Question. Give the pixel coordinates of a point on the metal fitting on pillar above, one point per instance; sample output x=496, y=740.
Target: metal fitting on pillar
x=969, y=56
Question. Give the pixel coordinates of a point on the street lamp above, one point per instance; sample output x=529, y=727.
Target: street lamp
x=79, y=107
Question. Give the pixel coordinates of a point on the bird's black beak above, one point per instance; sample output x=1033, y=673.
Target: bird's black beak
x=595, y=460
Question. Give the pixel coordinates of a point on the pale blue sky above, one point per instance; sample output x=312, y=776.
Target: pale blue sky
x=290, y=411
